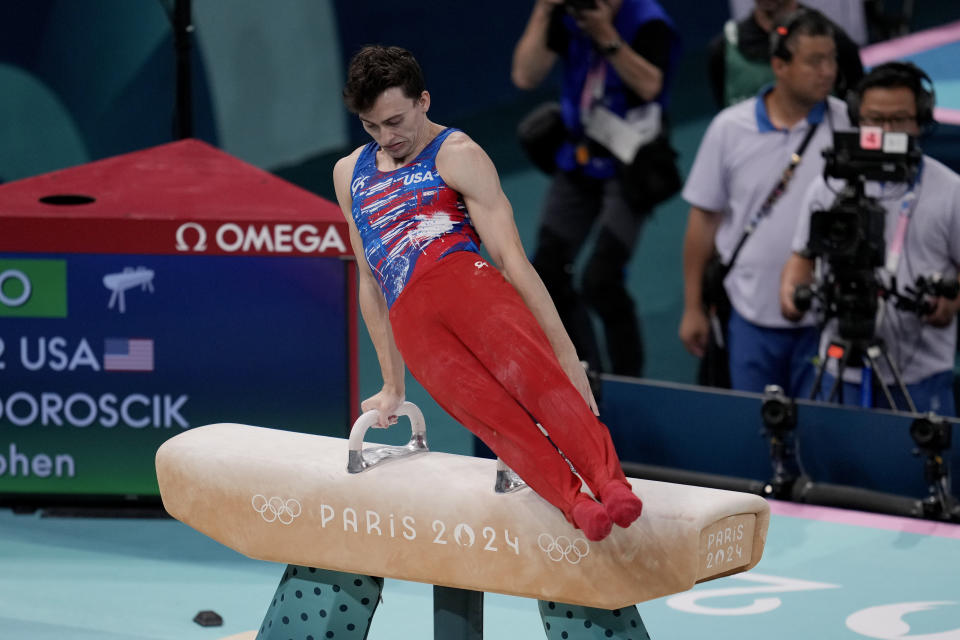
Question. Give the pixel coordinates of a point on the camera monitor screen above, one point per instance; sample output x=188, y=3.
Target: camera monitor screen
x=870, y=153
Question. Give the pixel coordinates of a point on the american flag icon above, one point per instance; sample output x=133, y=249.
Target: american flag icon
x=128, y=354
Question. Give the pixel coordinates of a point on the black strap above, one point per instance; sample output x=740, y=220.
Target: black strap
x=778, y=190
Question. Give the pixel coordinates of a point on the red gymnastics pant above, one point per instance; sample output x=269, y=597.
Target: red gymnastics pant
x=466, y=335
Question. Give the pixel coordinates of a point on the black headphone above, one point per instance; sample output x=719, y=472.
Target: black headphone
x=778, y=36
x=897, y=74
x=782, y=30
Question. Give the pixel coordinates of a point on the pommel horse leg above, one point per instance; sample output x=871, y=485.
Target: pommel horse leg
x=320, y=604
x=571, y=622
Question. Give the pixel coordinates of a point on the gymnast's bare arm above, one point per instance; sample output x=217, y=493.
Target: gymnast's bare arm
x=466, y=168
x=373, y=307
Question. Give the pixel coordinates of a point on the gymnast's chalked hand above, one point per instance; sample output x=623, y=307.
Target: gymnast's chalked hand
x=578, y=376
x=386, y=403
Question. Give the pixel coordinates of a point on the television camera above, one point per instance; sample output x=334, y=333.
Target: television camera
x=850, y=238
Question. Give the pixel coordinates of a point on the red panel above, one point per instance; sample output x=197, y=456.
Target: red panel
x=182, y=197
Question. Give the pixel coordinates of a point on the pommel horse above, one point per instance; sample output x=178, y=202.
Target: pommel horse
x=436, y=518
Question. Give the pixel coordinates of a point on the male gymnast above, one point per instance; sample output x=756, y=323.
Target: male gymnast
x=486, y=342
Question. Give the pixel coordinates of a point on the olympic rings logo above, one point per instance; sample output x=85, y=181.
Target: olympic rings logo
x=276, y=509
x=563, y=548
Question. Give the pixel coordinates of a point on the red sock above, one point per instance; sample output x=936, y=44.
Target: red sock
x=621, y=503
x=591, y=517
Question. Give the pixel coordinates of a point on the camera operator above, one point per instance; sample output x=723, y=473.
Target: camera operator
x=922, y=240
x=751, y=171
x=617, y=57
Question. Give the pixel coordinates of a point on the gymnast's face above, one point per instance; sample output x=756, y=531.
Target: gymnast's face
x=397, y=123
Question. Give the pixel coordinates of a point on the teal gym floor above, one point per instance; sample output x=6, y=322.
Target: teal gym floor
x=822, y=570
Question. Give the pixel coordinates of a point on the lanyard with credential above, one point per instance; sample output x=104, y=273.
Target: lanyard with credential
x=907, y=206
x=593, y=88
x=592, y=94
x=895, y=251
x=778, y=190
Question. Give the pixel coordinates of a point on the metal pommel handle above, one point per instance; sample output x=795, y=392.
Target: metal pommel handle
x=359, y=460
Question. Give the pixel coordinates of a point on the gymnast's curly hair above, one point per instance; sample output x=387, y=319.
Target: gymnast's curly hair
x=374, y=69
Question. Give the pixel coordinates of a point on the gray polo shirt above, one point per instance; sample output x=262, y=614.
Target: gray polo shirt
x=931, y=245
x=740, y=160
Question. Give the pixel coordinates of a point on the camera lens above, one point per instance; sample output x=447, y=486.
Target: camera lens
x=922, y=432
x=773, y=413
x=931, y=434
x=778, y=414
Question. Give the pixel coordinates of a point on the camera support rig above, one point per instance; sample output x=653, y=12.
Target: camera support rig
x=853, y=299
x=779, y=415
x=865, y=354
x=849, y=237
x=932, y=435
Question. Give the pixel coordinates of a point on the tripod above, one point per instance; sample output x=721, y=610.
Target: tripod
x=779, y=415
x=941, y=504
x=933, y=436
x=865, y=353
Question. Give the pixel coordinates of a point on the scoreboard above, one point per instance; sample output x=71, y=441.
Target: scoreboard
x=154, y=292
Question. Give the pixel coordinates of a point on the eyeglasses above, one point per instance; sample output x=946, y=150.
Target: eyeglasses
x=893, y=121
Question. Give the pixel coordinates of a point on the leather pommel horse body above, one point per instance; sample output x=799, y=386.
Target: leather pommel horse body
x=288, y=497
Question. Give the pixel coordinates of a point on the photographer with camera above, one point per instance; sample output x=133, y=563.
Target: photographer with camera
x=608, y=152
x=753, y=166
x=897, y=292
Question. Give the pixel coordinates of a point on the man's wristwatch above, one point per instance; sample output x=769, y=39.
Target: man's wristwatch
x=610, y=48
